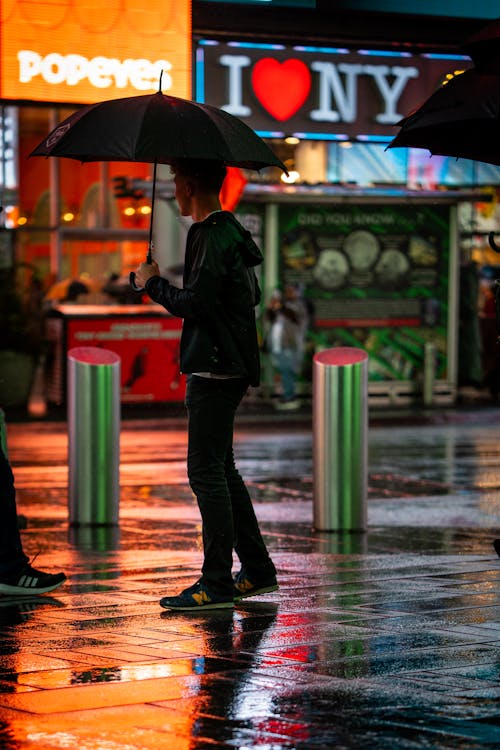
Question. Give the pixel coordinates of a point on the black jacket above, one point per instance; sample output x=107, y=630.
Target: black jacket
x=217, y=302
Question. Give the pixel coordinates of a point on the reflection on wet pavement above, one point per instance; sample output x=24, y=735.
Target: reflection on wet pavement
x=389, y=639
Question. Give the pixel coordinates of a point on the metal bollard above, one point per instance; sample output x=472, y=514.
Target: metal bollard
x=429, y=372
x=340, y=418
x=93, y=436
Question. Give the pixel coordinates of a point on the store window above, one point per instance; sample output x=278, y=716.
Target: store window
x=368, y=164
x=72, y=219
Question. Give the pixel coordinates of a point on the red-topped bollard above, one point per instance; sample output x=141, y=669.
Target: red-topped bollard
x=93, y=436
x=340, y=418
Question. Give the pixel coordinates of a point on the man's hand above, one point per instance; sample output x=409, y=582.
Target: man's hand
x=145, y=271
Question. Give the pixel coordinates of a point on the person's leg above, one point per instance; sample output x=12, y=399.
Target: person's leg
x=17, y=576
x=287, y=371
x=12, y=557
x=248, y=542
x=211, y=408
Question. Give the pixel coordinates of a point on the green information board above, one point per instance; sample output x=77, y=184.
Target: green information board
x=375, y=277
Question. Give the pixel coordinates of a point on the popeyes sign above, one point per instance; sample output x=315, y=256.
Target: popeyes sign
x=310, y=91
x=83, y=51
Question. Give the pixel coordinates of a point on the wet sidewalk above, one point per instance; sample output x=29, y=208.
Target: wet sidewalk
x=385, y=640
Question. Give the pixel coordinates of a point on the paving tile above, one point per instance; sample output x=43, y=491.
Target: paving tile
x=114, y=728
x=79, y=697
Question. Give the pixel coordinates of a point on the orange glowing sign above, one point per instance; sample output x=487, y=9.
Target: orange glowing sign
x=83, y=51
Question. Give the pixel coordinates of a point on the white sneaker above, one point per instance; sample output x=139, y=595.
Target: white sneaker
x=30, y=581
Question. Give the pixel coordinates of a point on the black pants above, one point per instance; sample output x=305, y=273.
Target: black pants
x=228, y=517
x=12, y=557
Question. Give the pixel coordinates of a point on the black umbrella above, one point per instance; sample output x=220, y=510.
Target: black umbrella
x=159, y=129
x=462, y=118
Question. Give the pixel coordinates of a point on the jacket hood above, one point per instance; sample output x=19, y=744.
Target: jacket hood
x=251, y=254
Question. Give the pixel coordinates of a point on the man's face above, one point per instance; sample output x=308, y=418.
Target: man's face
x=183, y=193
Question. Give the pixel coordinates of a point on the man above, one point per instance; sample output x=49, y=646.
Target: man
x=287, y=315
x=17, y=576
x=219, y=353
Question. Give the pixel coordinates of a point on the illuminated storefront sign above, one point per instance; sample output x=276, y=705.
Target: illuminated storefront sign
x=82, y=51
x=316, y=92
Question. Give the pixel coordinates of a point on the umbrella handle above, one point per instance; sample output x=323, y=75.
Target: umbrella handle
x=131, y=277
x=134, y=286
x=492, y=243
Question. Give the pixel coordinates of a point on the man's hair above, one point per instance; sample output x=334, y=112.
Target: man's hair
x=208, y=174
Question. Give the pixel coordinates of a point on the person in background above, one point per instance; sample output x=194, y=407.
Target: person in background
x=287, y=318
x=490, y=349
x=77, y=292
x=220, y=354
x=17, y=575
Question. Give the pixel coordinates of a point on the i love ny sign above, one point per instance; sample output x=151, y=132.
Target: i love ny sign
x=302, y=90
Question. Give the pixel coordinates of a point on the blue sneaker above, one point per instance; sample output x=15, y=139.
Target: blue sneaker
x=244, y=587
x=196, y=597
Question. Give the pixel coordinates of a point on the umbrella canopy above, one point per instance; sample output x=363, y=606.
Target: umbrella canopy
x=157, y=128
x=461, y=119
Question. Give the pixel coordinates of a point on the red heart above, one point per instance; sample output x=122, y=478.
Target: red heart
x=281, y=88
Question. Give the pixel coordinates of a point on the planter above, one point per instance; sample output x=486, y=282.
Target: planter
x=17, y=370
